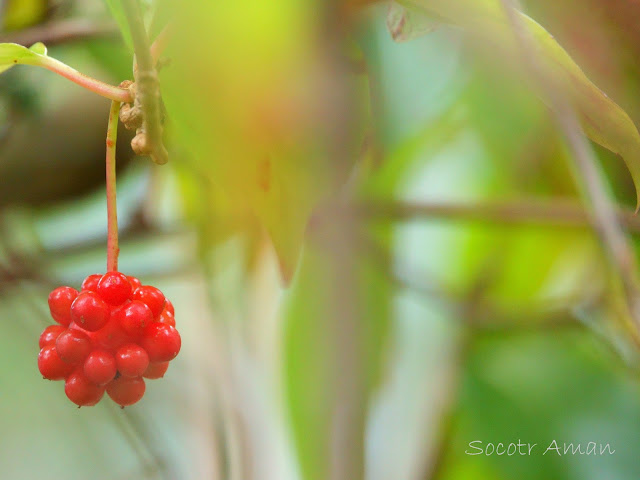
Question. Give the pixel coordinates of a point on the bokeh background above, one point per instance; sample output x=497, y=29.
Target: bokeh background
x=377, y=250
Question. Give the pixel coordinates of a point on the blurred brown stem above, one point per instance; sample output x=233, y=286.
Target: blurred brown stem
x=560, y=213
x=62, y=31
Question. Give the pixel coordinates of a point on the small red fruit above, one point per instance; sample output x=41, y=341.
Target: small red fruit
x=111, y=336
x=132, y=360
x=73, y=346
x=50, y=334
x=51, y=366
x=126, y=391
x=81, y=391
x=156, y=370
x=89, y=311
x=162, y=342
x=167, y=318
x=100, y=367
x=60, y=301
x=91, y=282
x=152, y=297
x=135, y=283
x=114, y=288
x=168, y=306
x=133, y=317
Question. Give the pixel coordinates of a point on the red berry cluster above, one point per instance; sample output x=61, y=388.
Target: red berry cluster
x=109, y=336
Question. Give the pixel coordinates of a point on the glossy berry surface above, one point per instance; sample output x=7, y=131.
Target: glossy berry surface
x=126, y=391
x=89, y=311
x=60, y=301
x=114, y=288
x=100, y=367
x=110, y=335
x=81, y=391
x=152, y=297
x=91, y=283
x=50, y=335
x=162, y=342
x=156, y=370
x=51, y=366
x=73, y=346
x=132, y=360
x=167, y=318
x=134, y=317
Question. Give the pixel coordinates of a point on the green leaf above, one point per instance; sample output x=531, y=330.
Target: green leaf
x=312, y=342
x=115, y=7
x=13, y=54
x=603, y=121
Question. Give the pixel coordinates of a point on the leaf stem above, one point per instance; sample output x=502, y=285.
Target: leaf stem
x=116, y=94
x=160, y=43
x=112, y=212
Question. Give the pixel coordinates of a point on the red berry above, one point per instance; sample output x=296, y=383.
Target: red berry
x=156, y=370
x=100, y=367
x=91, y=282
x=167, y=318
x=169, y=307
x=135, y=283
x=81, y=391
x=50, y=334
x=162, y=342
x=114, y=288
x=60, y=301
x=111, y=336
x=126, y=391
x=133, y=317
x=152, y=297
x=132, y=360
x=73, y=346
x=89, y=311
x=51, y=366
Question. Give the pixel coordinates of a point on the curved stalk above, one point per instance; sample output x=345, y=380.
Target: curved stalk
x=116, y=94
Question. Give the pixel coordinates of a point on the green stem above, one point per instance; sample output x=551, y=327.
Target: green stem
x=111, y=92
x=147, y=85
x=112, y=212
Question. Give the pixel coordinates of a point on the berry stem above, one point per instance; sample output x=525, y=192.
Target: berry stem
x=112, y=212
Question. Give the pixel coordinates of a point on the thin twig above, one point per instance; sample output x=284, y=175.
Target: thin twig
x=601, y=208
x=62, y=31
x=147, y=85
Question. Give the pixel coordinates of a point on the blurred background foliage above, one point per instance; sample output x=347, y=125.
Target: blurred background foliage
x=377, y=251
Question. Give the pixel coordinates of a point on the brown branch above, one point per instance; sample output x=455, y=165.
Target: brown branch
x=62, y=31
x=558, y=213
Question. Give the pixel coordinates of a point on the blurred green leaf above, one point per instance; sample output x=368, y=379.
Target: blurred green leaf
x=18, y=14
x=602, y=119
x=115, y=7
